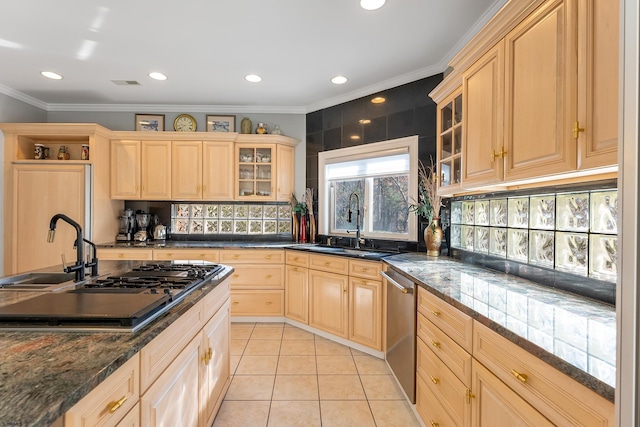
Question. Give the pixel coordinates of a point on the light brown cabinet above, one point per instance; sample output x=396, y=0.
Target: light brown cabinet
x=297, y=294
x=140, y=169
x=285, y=157
x=449, y=155
x=217, y=170
x=328, y=302
x=255, y=171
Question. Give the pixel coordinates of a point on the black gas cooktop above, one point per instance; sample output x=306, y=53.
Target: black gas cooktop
x=118, y=303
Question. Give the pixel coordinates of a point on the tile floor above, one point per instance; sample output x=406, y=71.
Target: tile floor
x=284, y=376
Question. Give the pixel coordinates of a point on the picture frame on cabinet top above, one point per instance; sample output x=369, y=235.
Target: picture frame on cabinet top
x=150, y=122
x=223, y=123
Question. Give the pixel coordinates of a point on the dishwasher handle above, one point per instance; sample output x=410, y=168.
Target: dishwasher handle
x=403, y=289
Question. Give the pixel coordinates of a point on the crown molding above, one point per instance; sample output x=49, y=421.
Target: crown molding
x=164, y=108
x=6, y=90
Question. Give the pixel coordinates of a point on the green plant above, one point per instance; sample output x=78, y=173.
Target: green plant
x=298, y=207
x=429, y=202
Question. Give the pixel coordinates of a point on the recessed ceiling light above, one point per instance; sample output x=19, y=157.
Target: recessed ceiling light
x=338, y=80
x=364, y=121
x=355, y=137
x=378, y=100
x=157, y=76
x=371, y=4
x=51, y=75
x=253, y=78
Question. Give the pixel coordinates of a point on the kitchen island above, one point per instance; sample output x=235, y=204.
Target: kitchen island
x=44, y=374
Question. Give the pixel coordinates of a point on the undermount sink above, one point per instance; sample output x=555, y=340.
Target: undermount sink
x=45, y=281
x=360, y=253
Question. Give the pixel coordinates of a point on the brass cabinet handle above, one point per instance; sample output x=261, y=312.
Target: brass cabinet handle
x=435, y=313
x=500, y=154
x=433, y=423
x=235, y=303
x=268, y=303
x=268, y=276
x=344, y=290
x=434, y=380
x=469, y=396
x=114, y=406
x=436, y=344
x=207, y=356
x=327, y=264
x=577, y=129
x=518, y=375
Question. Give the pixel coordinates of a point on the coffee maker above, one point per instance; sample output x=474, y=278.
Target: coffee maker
x=127, y=226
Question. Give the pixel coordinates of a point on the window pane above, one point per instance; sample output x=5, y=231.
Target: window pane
x=342, y=191
x=390, y=204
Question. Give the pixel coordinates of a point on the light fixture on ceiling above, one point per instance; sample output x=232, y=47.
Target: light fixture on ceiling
x=364, y=121
x=378, y=100
x=253, y=78
x=371, y=4
x=51, y=75
x=157, y=76
x=338, y=80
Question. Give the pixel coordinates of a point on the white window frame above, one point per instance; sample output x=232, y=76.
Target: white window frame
x=377, y=149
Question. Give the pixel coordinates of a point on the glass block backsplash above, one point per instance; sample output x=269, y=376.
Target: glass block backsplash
x=222, y=218
x=572, y=232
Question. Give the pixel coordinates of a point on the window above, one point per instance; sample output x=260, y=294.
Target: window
x=383, y=176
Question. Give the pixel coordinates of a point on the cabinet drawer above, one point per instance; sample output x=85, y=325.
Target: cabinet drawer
x=297, y=258
x=258, y=277
x=215, y=299
x=159, y=353
x=365, y=269
x=100, y=406
x=251, y=256
x=457, y=325
x=428, y=407
x=212, y=255
x=558, y=397
x=454, y=356
x=257, y=303
x=330, y=264
x=450, y=391
x=109, y=254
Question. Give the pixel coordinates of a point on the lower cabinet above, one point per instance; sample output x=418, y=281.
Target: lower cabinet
x=124, y=254
x=328, y=304
x=178, y=379
x=296, y=305
x=365, y=312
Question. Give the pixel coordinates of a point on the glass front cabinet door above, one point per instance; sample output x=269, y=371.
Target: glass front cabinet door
x=449, y=143
x=256, y=171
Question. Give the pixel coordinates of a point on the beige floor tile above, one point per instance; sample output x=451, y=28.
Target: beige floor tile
x=297, y=334
x=235, y=360
x=294, y=414
x=393, y=413
x=336, y=365
x=369, y=365
x=238, y=346
x=358, y=352
x=257, y=365
x=270, y=325
x=242, y=414
x=326, y=347
x=266, y=333
x=297, y=347
x=300, y=365
x=340, y=387
x=296, y=387
x=381, y=387
x=337, y=413
x=241, y=331
x=262, y=348
x=251, y=387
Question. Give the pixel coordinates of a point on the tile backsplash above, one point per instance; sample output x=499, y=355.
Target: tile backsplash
x=227, y=218
x=573, y=232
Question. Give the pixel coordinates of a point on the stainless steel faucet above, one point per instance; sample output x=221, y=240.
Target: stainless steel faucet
x=78, y=268
x=357, y=230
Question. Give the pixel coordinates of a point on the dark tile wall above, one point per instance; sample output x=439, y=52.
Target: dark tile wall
x=407, y=111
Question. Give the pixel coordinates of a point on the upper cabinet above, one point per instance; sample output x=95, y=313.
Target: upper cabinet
x=201, y=166
x=539, y=97
x=450, y=142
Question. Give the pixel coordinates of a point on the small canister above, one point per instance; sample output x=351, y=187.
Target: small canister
x=47, y=152
x=85, y=152
x=38, y=151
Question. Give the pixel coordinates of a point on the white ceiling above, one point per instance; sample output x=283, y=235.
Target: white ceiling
x=206, y=47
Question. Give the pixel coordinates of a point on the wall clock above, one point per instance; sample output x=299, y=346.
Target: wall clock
x=185, y=123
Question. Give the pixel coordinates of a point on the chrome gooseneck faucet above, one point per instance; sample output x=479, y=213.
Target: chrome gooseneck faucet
x=357, y=230
x=78, y=268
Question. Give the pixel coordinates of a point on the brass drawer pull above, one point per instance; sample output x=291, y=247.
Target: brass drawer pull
x=434, y=380
x=435, y=313
x=268, y=276
x=518, y=375
x=436, y=344
x=114, y=406
x=236, y=303
x=433, y=423
x=268, y=303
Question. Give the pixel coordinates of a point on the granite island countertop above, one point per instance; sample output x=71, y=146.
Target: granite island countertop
x=43, y=374
x=573, y=334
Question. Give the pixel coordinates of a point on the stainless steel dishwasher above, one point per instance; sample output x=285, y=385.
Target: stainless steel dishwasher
x=401, y=331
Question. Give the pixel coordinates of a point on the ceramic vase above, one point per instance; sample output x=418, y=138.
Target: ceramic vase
x=245, y=125
x=433, y=237
x=303, y=229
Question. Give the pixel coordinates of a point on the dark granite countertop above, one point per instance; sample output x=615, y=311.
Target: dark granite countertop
x=43, y=374
x=573, y=334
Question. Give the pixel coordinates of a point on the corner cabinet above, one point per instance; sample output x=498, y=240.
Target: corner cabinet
x=449, y=156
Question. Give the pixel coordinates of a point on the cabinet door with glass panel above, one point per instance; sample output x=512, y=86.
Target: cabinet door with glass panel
x=255, y=171
x=450, y=143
